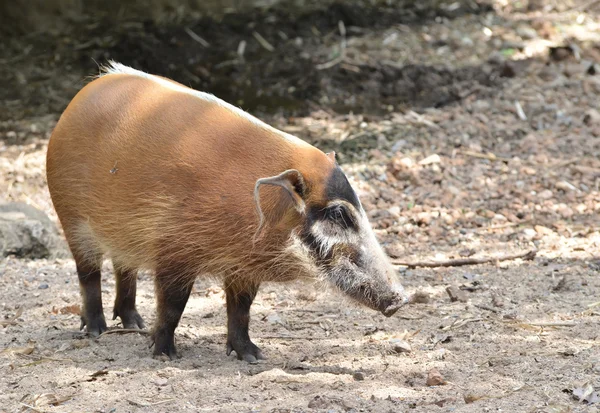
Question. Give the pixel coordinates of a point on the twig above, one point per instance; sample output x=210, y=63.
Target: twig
x=195, y=37
x=13, y=320
x=520, y=112
x=275, y=337
x=35, y=409
x=124, y=331
x=500, y=226
x=485, y=307
x=462, y=322
x=421, y=119
x=263, y=42
x=148, y=404
x=583, y=7
x=553, y=324
x=529, y=255
x=241, y=49
x=584, y=170
x=342, y=56
x=406, y=317
x=489, y=156
x=45, y=360
x=564, y=163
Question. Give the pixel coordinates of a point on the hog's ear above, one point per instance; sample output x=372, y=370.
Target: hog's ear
x=291, y=181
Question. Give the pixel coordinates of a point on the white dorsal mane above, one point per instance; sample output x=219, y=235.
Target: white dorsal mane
x=118, y=68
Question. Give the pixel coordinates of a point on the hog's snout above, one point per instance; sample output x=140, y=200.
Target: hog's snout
x=389, y=307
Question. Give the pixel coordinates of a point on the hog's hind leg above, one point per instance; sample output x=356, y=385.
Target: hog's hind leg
x=92, y=314
x=239, y=299
x=125, y=308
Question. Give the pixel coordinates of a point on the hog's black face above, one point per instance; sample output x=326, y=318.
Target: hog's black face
x=343, y=244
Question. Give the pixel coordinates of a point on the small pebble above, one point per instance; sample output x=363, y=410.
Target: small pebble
x=435, y=378
x=456, y=294
x=43, y=286
x=359, y=376
x=400, y=346
x=161, y=382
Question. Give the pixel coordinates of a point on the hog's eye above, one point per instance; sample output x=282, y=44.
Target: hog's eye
x=339, y=215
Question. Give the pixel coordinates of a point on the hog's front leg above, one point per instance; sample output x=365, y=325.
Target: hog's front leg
x=171, y=300
x=239, y=299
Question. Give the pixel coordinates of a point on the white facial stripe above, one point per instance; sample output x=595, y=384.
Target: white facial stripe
x=327, y=235
x=118, y=68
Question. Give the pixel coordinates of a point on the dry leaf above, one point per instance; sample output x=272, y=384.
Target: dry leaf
x=472, y=398
x=445, y=401
x=13, y=320
x=71, y=309
x=19, y=350
x=98, y=373
x=586, y=394
x=553, y=408
x=46, y=399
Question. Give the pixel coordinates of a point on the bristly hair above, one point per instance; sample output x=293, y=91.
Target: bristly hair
x=115, y=68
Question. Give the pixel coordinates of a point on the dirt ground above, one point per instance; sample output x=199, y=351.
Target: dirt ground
x=469, y=129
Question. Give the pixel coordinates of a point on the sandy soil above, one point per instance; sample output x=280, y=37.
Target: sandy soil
x=492, y=150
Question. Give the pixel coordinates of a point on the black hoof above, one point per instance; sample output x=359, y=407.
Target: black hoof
x=164, y=344
x=130, y=319
x=94, y=325
x=247, y=351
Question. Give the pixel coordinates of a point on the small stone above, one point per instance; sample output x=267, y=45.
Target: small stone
x=569, y=352
x=499, y=218
x=399, y=145
x=435, y=378
x=432, y=159
x=456, y=294
x=161, y=382
x=480, y=106
x=561, y=53
x=497, y=300
x=358, y=376
x=439, y=354
x=529, y=233
x=508, y=70
x=565, y=186
x=542, y=230
x=423, y=218
x=526, y=32
x=395, y=250
x=407, y=163
x=546, y=194
x=400, y=346
x=565, y=211
x=394, y=211
x=43, y=286
x=275, y=318
x=467, y=252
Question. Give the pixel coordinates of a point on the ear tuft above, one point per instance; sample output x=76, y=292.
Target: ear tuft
x=292, y=181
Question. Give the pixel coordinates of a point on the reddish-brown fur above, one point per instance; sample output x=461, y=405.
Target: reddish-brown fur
x=164, y=180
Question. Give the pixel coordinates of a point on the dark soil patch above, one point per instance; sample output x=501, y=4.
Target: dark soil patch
x=285, y=80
